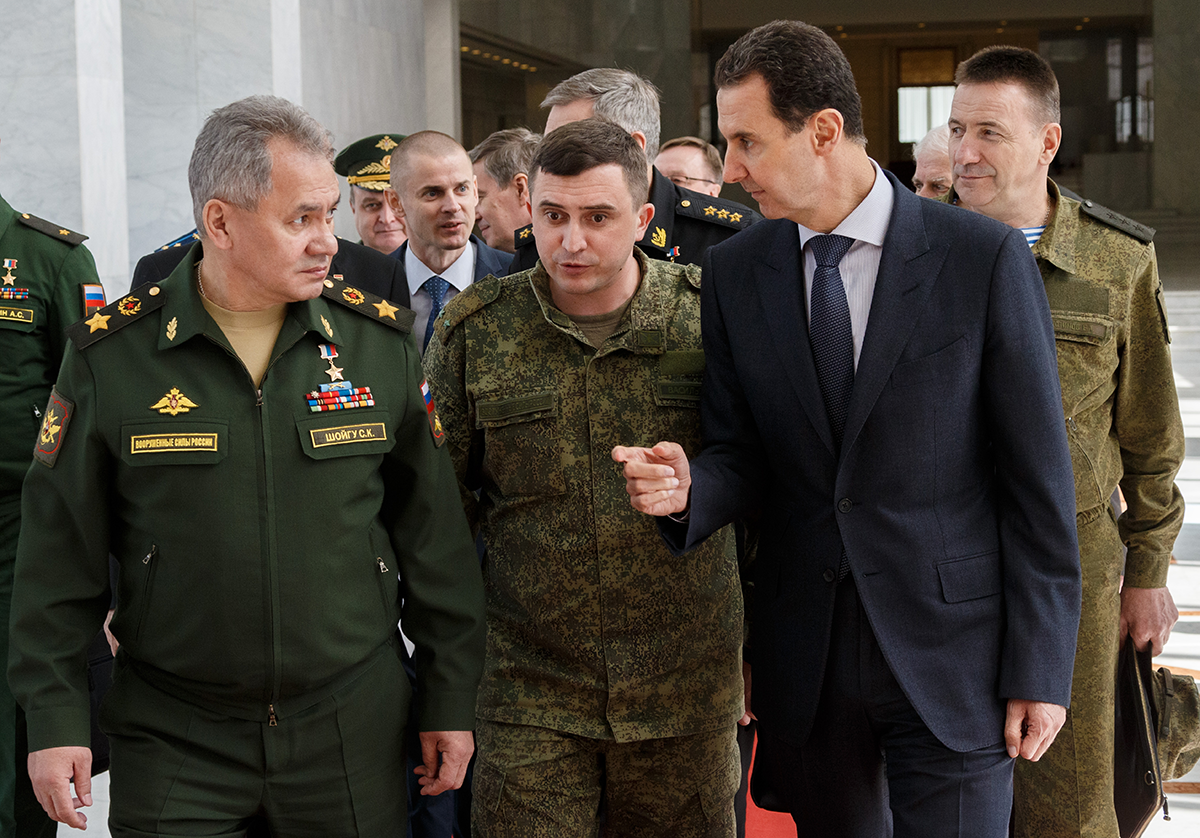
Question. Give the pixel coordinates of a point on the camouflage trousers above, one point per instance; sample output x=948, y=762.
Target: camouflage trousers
x=532, y=782
x=1069, y=792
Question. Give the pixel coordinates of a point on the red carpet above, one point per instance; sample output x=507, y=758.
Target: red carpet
x=763, y=824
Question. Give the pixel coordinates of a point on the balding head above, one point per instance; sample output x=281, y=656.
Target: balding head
x=423, y=144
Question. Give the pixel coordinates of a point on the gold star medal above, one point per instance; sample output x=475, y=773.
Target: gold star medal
x=10, y=265
x=329, y=352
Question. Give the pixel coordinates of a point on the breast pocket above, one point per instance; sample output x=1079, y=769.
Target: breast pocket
x=183, y=443
x=1087, y=352
x=522, y=446
x=18, y=318
x=680, y=375
x=350, y=433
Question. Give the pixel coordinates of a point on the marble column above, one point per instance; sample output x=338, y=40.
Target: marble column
x=1176, y=165
x=443, y=101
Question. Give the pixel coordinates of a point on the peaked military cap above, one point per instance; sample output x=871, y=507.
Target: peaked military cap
x=367, y=163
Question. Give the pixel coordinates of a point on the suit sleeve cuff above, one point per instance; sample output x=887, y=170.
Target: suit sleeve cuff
x=59, y=727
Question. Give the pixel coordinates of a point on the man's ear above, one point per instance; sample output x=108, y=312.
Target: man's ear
x=521, y=182
x=1051, y=140
x=217, y=219
x=828, y=129
x=640, y=138
x=644, y=216
x=393, y=200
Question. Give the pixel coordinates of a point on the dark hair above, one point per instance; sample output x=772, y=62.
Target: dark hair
x=712, y=157
x=578, y=147
x=804, y=70
x=1015, y=65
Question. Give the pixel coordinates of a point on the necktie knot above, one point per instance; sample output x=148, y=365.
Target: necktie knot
x=829, y=250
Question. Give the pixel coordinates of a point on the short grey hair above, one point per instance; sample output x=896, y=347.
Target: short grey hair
x=231, y=161
x=617, y=96
x=506, y=154
x=937, y=141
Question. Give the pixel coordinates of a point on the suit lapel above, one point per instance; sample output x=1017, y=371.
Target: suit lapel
x=779, y=280
x=908, y=271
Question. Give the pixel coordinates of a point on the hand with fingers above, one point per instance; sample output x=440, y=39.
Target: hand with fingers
x=658, y=479
x=52, y=771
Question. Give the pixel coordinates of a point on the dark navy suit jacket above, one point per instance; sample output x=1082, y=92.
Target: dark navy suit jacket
x=953, y=495
x=488, y=260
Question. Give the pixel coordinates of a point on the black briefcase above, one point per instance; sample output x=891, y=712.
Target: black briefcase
x=100, y=672
x=1137, y=777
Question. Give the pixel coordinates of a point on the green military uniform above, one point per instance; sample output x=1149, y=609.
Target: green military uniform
x=43, y=285
x=264, y=538
x=685, y=225
x=1123, y=427
x=595, y=631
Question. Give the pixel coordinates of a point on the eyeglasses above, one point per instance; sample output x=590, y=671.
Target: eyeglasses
x=680, y=180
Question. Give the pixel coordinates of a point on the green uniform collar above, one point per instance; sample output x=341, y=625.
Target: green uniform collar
x=185, y=316
x=641, y=329
x=1057, y=243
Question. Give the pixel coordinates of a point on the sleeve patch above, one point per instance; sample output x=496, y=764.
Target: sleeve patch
x=54, y=428
x=93, y=298
x=435, y=424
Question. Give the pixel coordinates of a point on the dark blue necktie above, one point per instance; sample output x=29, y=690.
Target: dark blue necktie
x=832, y=340
x=436, y=288
x=829, y=330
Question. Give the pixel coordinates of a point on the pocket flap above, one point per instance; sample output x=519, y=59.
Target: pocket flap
x=345, y=434
x=970, y=578
x=174, y=443
x=498, y=412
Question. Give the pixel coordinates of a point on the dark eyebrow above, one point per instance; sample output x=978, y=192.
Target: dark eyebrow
x=552, y=205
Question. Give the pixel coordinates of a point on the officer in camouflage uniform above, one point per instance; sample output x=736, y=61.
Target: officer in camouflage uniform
x=1119, y=401
x=685, y=223
x=230, y=435
x=47, y=280
x=611, y=667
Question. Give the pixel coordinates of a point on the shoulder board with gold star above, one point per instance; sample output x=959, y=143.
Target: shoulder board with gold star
x=369, y=305
x=51, y=229
x=1114, y=219
x=716, y=211
x=104, y=321
x=463, y=305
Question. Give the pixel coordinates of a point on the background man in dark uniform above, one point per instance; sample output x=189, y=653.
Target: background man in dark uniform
x=692, y=163
x=501, y=164
x=367, y=165
x=199, y=431
x=685, y=223
x=47, y=281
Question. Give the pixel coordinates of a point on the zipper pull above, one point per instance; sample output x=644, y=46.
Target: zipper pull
x=1166, y=809
x=382, y=567
x=258, y=403
x=37, y=414
x=271, y=720
x=150, y=555
x=1071, y=424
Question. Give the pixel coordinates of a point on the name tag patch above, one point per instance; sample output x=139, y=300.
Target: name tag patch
x=349, y=434
x=160, y=443
x=18, y=315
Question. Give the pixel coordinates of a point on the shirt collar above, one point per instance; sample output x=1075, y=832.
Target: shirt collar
x=1057, y=244
x=640, y=330
x=460, y=275
x=869, y=220
x=186, y=311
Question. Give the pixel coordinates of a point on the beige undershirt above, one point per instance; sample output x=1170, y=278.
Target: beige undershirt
x=252, y=334
x=598, y=327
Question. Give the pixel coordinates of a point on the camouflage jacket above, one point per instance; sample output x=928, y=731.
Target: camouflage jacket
x=594, y=629
x=1114, y=364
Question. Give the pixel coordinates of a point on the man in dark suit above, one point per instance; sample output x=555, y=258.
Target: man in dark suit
x=887, y=397
x=433, y=190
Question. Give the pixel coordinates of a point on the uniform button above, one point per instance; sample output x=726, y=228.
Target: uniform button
x=845, y=505
x=685, y=203
x=829, y=575
x=154, y=291
x=329, y=283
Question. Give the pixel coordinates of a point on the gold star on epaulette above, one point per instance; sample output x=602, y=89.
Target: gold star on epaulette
x=723, y=213
x=525, y=233
x=710, y=210
x=386, y=309
x=735, y=217
x=97, y=321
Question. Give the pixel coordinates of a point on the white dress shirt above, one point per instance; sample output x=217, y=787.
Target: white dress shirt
x=868, y=226
x=460, y=275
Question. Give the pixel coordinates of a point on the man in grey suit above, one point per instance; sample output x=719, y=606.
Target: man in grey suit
x=881, y=386
x=434, y=191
